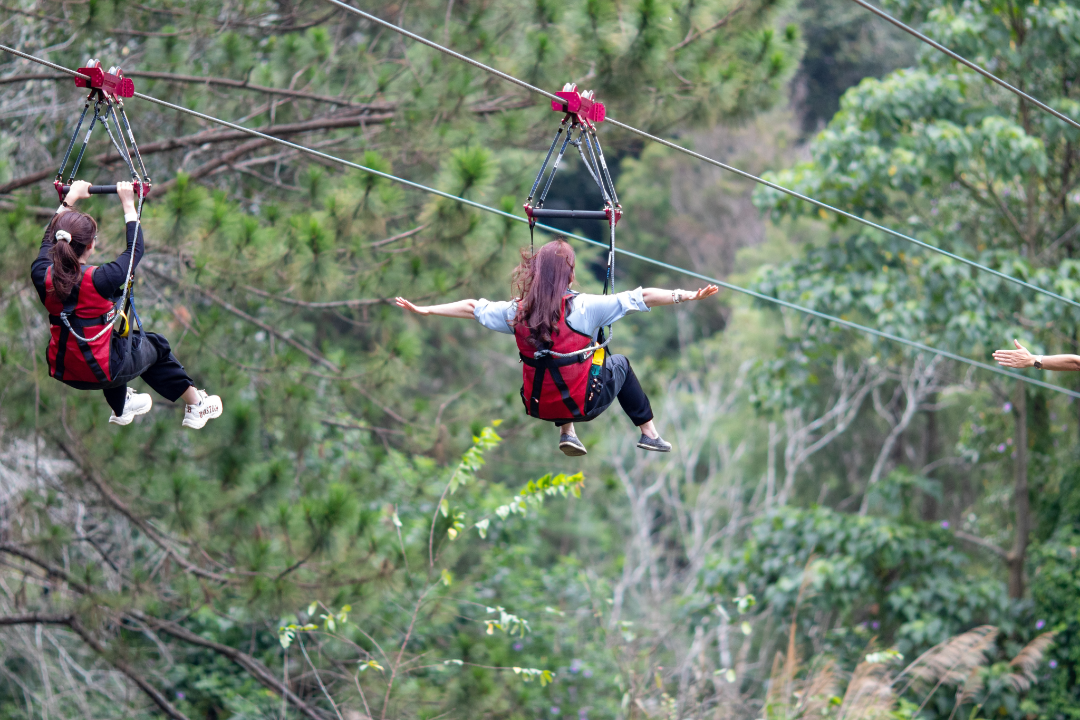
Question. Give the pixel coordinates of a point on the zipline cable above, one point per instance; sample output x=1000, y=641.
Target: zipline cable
x=963, y=61
x=486, y=208
x=709, y=160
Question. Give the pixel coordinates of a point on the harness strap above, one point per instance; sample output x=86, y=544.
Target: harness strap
x=537, y=389
x=78, y=322
x=547, y=362
x=568, y=401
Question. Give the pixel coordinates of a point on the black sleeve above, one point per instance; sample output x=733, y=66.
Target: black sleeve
x=109, y=278
x=41, y=265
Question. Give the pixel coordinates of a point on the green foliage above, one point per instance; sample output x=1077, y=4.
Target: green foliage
x=903, y=583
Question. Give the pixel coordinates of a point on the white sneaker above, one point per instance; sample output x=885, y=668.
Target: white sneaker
x=134, y=404
x=210, y=407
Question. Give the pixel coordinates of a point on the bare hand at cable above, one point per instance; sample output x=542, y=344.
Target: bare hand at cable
x=80, y=190
x=403, y=303
x=1019, y=358
x=126, y=192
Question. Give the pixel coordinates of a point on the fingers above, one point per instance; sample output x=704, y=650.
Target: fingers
x=1018, y=345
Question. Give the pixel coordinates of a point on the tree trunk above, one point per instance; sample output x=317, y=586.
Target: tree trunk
x=1021, y=501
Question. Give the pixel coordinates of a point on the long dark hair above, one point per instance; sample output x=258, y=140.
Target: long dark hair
x=66, y=270
x=540, y=281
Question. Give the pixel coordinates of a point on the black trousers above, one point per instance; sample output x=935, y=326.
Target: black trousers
x=619, y=382
x=150, y=357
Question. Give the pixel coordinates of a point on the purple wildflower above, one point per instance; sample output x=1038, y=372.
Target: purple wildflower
x=1040, y=624
x=1053, y=663
x=180, y=695
x=1001, y=448
x=518, y=646
x=575, y=665
x=587, y=673
x=554, y=709
x=876, y=625
x=945, y=524
x=1007, y=407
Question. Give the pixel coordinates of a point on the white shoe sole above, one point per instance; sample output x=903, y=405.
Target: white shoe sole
x=201, y=422
x=126, y=418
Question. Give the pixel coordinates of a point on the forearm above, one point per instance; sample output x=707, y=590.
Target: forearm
x=461, y=309
x=1061, y=362
x=655, y=297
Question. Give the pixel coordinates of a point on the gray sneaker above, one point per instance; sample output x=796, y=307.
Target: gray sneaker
x=571, y=446
x=656, y=444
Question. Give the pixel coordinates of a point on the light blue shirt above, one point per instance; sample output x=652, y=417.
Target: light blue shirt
x=588, y=313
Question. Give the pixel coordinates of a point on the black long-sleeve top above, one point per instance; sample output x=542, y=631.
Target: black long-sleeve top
x=108, y=279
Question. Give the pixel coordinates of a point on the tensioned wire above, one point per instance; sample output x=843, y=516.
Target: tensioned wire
x=963, y=61
x=480, y=206
x=704, y=158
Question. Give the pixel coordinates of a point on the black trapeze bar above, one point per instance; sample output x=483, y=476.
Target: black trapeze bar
x=573, y=214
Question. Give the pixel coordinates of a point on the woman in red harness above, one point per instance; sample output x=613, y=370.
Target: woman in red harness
x=548, y=317
x=81, y=302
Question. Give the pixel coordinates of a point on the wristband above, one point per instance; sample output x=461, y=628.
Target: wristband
x=676, y=297
x=1038, y=362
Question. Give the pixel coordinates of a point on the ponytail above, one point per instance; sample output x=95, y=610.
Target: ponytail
x=72, y=233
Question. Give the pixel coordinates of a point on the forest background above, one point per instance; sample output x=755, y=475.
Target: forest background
x=375, y=529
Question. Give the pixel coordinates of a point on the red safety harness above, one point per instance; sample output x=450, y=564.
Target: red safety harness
x=557, y=388
x=71, y=356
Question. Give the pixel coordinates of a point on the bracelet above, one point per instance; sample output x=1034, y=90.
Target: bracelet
x=676, y=297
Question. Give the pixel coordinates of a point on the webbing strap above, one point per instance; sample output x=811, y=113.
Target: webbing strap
x=78, y=322
x=74, y=137
x=568, y=401
x=537, y=389
x=547, y=361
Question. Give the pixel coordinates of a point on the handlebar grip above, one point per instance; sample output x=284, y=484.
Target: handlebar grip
x=96, y=189
x=140, y=189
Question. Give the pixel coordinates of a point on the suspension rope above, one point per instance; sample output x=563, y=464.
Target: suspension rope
x=555, y=231
x=963, y=61
x=711, y=161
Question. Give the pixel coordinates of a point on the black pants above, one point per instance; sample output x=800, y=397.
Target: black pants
x=619, y=382
x=150, y=357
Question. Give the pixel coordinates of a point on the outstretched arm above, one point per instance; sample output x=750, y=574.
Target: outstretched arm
x=461, y=309
x=658, y=296
x=1022, y=358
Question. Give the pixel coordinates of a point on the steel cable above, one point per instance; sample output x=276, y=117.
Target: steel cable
x=985, y=73
x=643, y=258
x=711, y=161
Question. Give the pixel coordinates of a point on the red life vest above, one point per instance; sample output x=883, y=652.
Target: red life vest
x=72, y=359
x=554, y=388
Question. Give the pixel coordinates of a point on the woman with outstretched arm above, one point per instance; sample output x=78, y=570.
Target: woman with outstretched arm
x=548, y=317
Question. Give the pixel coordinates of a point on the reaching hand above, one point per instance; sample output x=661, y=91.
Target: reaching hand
x=405, y=304
x=126, y=192
x=80, y=190
x=1019, y=358
x=707, y=291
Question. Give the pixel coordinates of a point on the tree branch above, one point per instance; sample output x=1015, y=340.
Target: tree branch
x=301, y=303
x=314, y=356
x=213, y=137
x=72, y=622
x=50, y=569
x=983, y=543
x=75, y=453
x=715, y=26
x=251, y=665
x=245, y=85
